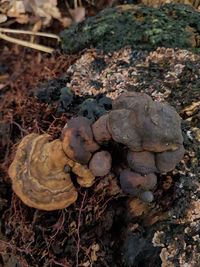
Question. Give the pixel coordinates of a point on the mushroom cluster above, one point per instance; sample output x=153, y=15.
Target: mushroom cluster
x=149, y=132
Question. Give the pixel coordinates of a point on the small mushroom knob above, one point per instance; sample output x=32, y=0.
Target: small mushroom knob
x=133, y=183
x=100, y=130
x=100, y=163
x=142, y=162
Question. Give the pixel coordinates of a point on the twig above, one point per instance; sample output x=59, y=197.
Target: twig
x=44, y=34
x=65, y=264
x=104, y=206
x=78, y=229
x=75, y=4
x=20, y=128
x=26, y=43
x=58, y=225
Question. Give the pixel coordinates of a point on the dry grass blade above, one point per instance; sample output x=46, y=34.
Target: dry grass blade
x=43, y=34
x=26, y=43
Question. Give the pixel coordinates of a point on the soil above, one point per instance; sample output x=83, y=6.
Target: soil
x=105, y=227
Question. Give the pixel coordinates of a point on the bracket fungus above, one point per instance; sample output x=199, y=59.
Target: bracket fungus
x=39, y=176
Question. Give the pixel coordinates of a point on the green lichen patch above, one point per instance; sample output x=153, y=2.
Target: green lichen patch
x=140, y=27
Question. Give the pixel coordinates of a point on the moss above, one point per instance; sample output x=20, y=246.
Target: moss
x=136, y=26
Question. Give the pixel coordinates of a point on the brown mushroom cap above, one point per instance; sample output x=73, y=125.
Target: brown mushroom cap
x=100, y=163
x=142, y=162
x=133, y=183
x=131, y=100
x=100, y=130
x=167, y=161
x=38, y=179
x=121, y=125
x=39, y=174
x=163, y=128
x=142, y=124
x=77, y=140
x=123, y=121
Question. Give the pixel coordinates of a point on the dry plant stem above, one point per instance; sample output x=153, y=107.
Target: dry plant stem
x=59, y=225
x=78, y=229
x=80, y=3
x=26, y=44
x=65, y=264
x=20, y=128
x=75, y=4
x=43, y=34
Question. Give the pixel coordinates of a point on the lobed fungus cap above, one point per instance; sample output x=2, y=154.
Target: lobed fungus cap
x=166, y=161
x=77, y=140
x=131, y=100
x=143, y=124
x=100, y=130
x=142, y=162
x=163, y=128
